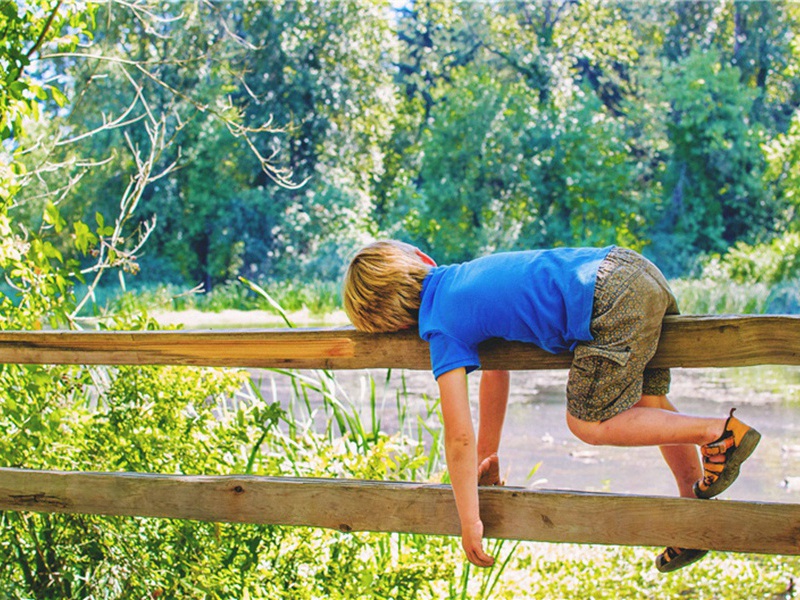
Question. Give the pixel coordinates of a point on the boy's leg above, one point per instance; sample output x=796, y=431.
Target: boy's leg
x=682, y=459
x=684, y=462
x=647, y=426
x=493, y=400
x=726, y=443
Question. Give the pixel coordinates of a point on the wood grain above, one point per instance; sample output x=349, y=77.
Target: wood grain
x=686, y=341
x=350, y=505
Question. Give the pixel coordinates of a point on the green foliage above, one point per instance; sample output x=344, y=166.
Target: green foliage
x=771, y=263
x=714, y=296
x=464, y=127
x=497, y=173
x=249, y=95
x=716, y=191
x=318, y=297
x=179, y=420
x=28, y=29
x=164, y=420
x=783, y=168
x=747, y=279
x=472, y=190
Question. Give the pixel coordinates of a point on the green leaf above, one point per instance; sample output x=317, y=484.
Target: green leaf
x=270, y=300
x=39, y=92
x=52, y=216
x=17, y=87
x=9, y=9
x=534, y=469
x=51, y=251
x=58, y=96
x=83, y=237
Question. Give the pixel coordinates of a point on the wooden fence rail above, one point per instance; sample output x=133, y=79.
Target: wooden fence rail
x=687, y=341
x=347, y=505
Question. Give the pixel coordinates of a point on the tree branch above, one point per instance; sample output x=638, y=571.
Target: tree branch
x=46, y=28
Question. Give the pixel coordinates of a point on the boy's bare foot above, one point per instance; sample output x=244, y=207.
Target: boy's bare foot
x=489, y=471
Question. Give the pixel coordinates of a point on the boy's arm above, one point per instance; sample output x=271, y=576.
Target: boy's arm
x=493, y=399
x=462, y=462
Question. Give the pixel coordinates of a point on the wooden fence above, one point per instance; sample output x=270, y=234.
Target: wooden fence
x=349, y=505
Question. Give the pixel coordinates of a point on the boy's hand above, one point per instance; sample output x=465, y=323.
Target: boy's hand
x=489, y=471
x=472, y=542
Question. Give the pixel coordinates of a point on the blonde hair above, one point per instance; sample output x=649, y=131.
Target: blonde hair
x=382, y=287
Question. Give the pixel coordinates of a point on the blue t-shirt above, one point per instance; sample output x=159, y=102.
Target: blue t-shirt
x=543, y=297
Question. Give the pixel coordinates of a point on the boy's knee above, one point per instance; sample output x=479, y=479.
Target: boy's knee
x=589, y=432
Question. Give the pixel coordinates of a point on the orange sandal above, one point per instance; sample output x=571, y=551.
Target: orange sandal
x=674, y=558
x=736, y=444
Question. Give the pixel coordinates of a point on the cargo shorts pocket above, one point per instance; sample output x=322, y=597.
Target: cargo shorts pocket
x=620, y=356
x=596, y=381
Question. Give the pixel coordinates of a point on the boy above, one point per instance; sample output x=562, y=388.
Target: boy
x=603, y=304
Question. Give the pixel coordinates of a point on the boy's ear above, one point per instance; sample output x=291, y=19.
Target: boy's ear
x=425, y=258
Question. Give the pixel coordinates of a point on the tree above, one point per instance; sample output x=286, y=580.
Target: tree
x=216, y=69
x=517, y=139
x=713, y=177
x=566, y=131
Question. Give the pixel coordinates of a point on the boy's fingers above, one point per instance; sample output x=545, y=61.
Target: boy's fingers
x=473, y=546
x=479, y=558
x=489, y=471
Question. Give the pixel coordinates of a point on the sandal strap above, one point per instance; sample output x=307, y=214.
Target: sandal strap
x=719, y=447
x=723, y=457
x=673, y=558
x=672, y=552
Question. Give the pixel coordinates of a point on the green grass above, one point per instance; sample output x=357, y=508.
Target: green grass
x=713, y=296
x=567, y=571
x=318, y=297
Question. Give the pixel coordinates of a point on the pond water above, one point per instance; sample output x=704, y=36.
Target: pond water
x=768, y=398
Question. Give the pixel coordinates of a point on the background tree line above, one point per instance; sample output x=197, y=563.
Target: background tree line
x=463, y=127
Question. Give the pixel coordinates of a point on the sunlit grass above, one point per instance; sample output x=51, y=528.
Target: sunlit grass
x=320, y=297
x=713, y=296
x=566, y=571
x=317, y=297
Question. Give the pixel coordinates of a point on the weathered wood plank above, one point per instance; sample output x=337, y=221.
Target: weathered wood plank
x=350, y=505
x=687, y=341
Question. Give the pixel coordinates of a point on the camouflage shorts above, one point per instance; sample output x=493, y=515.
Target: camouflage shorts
x=608, y=374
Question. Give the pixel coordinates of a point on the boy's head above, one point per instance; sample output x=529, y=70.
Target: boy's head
x=382, y=286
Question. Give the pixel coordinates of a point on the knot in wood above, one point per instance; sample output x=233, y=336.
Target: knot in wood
x=345, y=528
x=238, y=490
